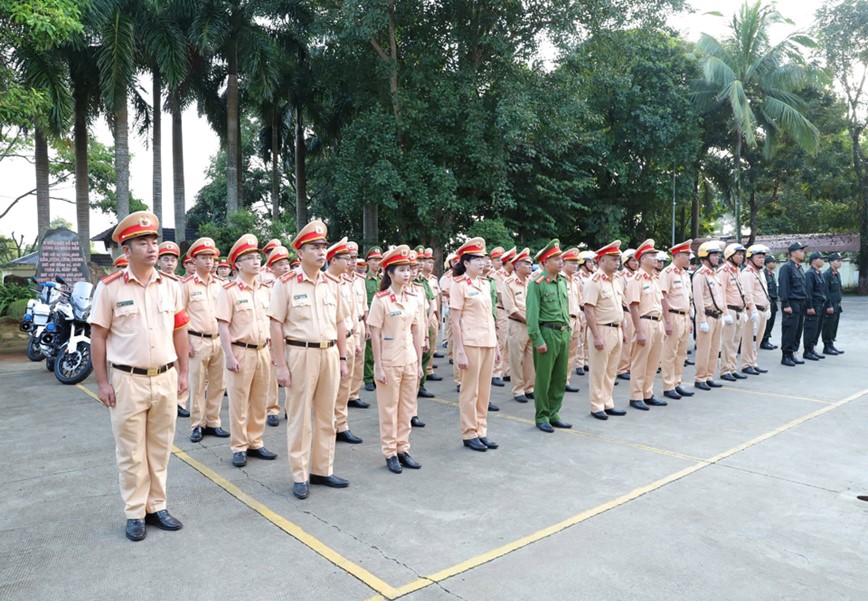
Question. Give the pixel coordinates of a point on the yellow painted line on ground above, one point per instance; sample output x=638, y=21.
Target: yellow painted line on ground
x=780, y=395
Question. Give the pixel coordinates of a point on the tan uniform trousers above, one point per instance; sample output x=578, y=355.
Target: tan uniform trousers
x=248, y=394
x=627, y=347
x=182, y=399
x=357, y=373
x=206, y=371
x=646, y=360
x=604, y=368
x=272, y=404
x=730, y=339
x=396, y=403
x=143, y=424
x=501, y=367
x=476, y=391
x=432, y=345
x=675, y=350
x=707, y=348
x=582, y=357
x=750, y=341
x=575, y=343
x=315, y=380
x=341, y=412
x=447, y=334
x=520, y=359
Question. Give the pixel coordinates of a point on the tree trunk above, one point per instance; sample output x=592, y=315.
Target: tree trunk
x=737, y=188
x=82, y=188
x=301, y=217
x=753, y=214
x=694, y=209
x=275, y=165
x=157, y=148
x=122, y=156
x=232, y=141
x=862, y=179
x=43, y=207
x=178, y=190
x=239, y=159
x=370, y=226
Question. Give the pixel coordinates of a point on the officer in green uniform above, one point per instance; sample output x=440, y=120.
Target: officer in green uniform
x=833, y=305
x=372, y=286
x=548, y=319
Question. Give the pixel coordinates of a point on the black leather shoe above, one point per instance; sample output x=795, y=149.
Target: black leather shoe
x=600, y=415
x=738, y=376
x=728, y=377
x=713, y=384
x=370, y=386
x=615, y=412
x=218, y=432
x=587, y=368
x=545, y=427
x=438, y=354
x=424, y=394
x=521, y=398
x=330, y=481
x=488, y=443
x=688, y=362
x=300, y=490
x=640, y=405
x=434, y=378
x=497, y=382
x=788, y=361
x=529, y=395
x=348, y=437
x=475, y=444
x=163, y=520
x=836, y=349
x=820, y=355
x=408, y=462
x=760, y=370
x=136, y=530
x=683, y=392
x=416, y=422
x=701, y=386
x=767, y=346
x=571, y=388
x=183, y=412
x=394, y=465
x=810, y=356
x=655, y=402
x=458, y=388
x=624, y=376
x=671, y=394
x=358, y=404
x=273, y=421
x=826, y=351
x=556, y=423
x=749, y=370
x=796, y=360
x=239, y=459
x=196, y=436
x=580, y=371
x=493, y=407
x=507, y=378
x=262, y=453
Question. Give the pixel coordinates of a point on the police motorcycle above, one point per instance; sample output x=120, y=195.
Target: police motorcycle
x=66, y=339
x=37, y=314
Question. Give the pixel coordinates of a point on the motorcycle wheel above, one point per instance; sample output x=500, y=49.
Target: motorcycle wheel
x=75, y=366
x=49, y=363
x=33, y=351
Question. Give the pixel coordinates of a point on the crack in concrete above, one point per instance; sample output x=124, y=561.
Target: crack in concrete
x=757, y=473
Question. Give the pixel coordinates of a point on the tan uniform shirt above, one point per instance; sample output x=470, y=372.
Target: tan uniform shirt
x=605, y=295
x=308, y=309
x=200, y=298
x=728, y=277
x=753, y=283
x=575, y=284
x=244, y=309
x=515, y=300
x=623, y=279
x=644, y=289
x=361, y=294
x=140, y=317
x=434, y=283
x=396, y=315
x=473, y=299
x=707, y=294
x=446, y=283
x=345, y=289
x=265, y=276
x=675, y=284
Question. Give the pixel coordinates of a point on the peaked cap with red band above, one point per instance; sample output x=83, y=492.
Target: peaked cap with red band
x=169, y=248
x=120, y=262
x=613, y=248
x=396, y=256
x=375, y=252
x=497, y=252
x=140, y=223
x=245, y=244
x=354, y=247
x=508, y=256
x=339, y=248
x=271, y=245
x=315, y=231
x=524, y=255
x=224, y=263
x=203, y=246
x=279, y=253
x=645, y=248
x=414, y=257
x=684, y=247
x=571, y=254
x=552, y=249
x=474, y=247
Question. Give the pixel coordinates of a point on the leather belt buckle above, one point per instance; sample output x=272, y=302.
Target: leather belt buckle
x=324, y=345
x=153, y=372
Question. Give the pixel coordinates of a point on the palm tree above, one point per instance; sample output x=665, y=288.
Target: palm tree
x=758, y=85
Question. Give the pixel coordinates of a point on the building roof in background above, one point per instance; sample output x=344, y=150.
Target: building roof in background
x=778, y=243
x=168, y=235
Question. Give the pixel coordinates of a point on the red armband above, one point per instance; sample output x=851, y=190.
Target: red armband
x=181, y=319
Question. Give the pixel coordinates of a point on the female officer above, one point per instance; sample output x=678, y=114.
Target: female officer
x=473, y=332
x=397, y=329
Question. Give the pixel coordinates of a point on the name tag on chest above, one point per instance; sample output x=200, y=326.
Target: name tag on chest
x=474, y=293
x=395, y=313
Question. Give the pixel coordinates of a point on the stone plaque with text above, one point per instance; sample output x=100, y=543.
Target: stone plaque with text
x=60, y=255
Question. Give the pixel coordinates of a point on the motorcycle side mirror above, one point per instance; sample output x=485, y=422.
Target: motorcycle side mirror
x=59, y=280
x=34, y=280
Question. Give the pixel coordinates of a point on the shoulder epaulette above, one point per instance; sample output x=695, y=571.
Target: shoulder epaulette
x=287, y=276
x=596, y=276
x=540, y=279
x=112, y=276
x=331, y=277
x=510, y=279
x=218, y=278
x=171, y=276
x=382, y=293
x=229, y=284
x=186, y=279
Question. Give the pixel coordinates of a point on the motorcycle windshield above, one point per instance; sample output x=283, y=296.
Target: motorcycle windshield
x=80, y=297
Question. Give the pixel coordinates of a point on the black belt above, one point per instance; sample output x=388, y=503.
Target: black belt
x=713, y=313
x=610, y=325
x=350, y=333
x=321, y=345
x=137, y=371
x=560, y=327
x=651, y=317
x=573, y=316
x=201, y=335
x=501, y=307
x=761, y=308
x=515, y=319
x=734, y=308
x=677, y=312
x=582, y=309
x=626, y=310
x=258, y=347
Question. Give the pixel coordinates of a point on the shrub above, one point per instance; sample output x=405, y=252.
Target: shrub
x=16, y=309
x=10, y=293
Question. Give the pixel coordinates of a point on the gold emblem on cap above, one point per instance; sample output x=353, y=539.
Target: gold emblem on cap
x=144, y=222
x=317, y=229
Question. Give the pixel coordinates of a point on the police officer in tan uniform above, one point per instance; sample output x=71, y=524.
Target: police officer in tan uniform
x=224, y=269
x=277, y=265
x=605, y=317
x=309, y=343
x=360, y=268
x=646, y=310
x=199, y=294
x=520, y=345
x=138, y=325
x=678, y=327
x=587, y=267
x=167, y=263
x=709, y=302
x=426, y=265
x=575, y=284
x=631, y=266
x=754, y=285
x=244, y=333
x=736, y=312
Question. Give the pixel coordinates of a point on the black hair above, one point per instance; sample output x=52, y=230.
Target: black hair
x=386, y=282
x=461, y=267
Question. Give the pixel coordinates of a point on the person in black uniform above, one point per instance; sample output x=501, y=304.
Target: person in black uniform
x=833, y=305
x=772, y=284
x=815, y=311
x=791, y=289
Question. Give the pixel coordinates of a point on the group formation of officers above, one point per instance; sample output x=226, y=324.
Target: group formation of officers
x=319, y=321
